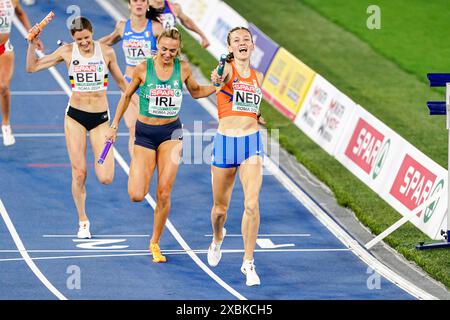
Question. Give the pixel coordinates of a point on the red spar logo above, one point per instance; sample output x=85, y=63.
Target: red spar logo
x=413, y=184
x=364, y=146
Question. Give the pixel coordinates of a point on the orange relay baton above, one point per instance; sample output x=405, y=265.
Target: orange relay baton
x=34, y=32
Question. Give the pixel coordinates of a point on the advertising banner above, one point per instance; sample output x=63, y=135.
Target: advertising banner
x=401, y=174
x=200, y=11
x=325, y=113
x=265, y=50
x=370, y=149
x=220, y=22
x=419, y=179
x=287, y=82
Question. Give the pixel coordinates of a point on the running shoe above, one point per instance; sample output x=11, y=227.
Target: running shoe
x=248, y=268
x=156, y=253
x=83, y=230
x=8, y=138
x=214, y=252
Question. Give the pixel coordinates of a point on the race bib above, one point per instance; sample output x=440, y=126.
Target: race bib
x=137, y=51
x=6, y=14
x=165, y=102
x=167, y=20
x=89, y=77
x=246, y=98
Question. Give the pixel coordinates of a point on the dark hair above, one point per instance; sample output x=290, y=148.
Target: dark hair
x=80, y=24
x=230, y=56
x=153, y=14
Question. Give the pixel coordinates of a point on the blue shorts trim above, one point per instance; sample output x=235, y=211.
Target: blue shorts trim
x=128, y=79
x=230, y=152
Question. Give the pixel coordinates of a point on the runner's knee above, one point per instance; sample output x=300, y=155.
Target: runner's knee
x=220, y=210
x=251, y=207
x=136, y=195
x=163, y=194
x=107, y=179
x=79, y=175
x=4, y=88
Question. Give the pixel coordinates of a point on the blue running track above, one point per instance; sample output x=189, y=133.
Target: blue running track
x=296, y=258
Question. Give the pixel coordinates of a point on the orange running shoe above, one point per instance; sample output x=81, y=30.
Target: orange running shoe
x=156, y=253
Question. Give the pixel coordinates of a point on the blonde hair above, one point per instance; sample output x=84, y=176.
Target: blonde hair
x=171, y=33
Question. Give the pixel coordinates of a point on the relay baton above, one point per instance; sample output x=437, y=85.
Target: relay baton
x=41, y=25
x=222, y=61
x=108, y=145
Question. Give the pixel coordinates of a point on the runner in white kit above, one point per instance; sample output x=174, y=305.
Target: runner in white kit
x=89, y=63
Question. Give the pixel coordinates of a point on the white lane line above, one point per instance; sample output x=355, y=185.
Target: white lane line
x=96, y=236
x=112, y=11
x=180, y=239
x=318, y=212
x=23, y=252
x=171, y=252
x=269, y=235
x=330, y=224
x=78, y=257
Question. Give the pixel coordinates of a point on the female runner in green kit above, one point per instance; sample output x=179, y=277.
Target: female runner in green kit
x=158, y=128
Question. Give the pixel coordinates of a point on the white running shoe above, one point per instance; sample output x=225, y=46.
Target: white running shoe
x=214, y=253
x=8, y=138
x=83, y=231
x=248, y=268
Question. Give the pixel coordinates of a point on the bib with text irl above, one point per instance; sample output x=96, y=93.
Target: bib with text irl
x=161, y=99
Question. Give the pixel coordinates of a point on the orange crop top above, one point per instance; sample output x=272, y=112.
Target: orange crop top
x=240, y=96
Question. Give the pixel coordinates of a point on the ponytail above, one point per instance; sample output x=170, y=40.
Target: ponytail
x=153, y=14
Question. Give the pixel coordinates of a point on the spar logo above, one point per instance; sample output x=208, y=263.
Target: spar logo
x=134, y=44
x=415, y=184
x=162, y=93
x=85, y=68
x=368, y=148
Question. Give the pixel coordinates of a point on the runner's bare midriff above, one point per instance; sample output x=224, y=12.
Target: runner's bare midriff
x=155, y=121
x=3, y=38
x=237, y=126
x=89, y=101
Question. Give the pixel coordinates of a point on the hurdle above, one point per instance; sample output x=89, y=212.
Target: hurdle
x=441, y=108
